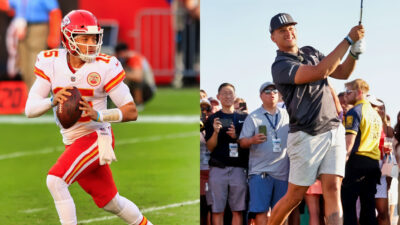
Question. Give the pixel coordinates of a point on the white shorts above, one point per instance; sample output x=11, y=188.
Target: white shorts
x=311, y=156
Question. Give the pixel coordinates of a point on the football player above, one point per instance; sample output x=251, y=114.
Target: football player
x=89, y=142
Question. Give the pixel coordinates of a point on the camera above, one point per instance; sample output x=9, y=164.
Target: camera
x=226, y=122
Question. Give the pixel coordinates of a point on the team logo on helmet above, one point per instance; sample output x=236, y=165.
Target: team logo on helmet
x=65, y=21
x=93, y=79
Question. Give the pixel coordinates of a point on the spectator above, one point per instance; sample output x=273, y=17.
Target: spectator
x=193, y=8
x=381, y=196
x=139, y=76
x=228, y=163
x=15, y=31
x=301, y=76
x=5, y=15
x=281, y=103
x=205, y=209
x=392, y=182
x=396, y=150
x=42, y=19
x=313, y=197
x=385, y=119
x=187, y=52
x=388, y=119
x=345, y=106
x=214, y=105
x=265, y=133
x=203, y=94
x=393, y=194
x=363, y=129
x=240, y=104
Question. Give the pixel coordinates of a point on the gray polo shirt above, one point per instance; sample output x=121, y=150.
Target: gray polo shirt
x=262, y=157
x=310, y=106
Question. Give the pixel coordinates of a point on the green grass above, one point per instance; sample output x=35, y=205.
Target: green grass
x=154, y=168
x=170, y=101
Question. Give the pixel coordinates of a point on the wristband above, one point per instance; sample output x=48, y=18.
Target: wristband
x=51, y=101
x=98, y=116
x=353, y=55
x=348, y=39
x=109, y=115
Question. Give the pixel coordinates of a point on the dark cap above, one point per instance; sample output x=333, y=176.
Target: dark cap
x=280, y=20
x=265, y=85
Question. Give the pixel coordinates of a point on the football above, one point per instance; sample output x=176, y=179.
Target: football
x=68, y=112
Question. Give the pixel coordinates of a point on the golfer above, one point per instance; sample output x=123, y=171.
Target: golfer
x=316, y=141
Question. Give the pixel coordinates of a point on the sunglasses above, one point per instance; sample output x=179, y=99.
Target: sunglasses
x=269, y=91
x=349, y=92
x=208, y=108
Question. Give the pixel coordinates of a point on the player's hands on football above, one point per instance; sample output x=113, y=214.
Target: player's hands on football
x=258, y=138
x=87, y=109
x=357, y=33
x=59, y=97
x=217, y=125
x=232, y=132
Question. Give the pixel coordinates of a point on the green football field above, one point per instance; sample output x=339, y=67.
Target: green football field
x=157, y=167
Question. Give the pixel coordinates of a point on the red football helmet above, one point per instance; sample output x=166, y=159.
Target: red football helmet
x=80, y=22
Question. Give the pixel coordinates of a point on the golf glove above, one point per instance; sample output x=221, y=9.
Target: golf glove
x=358, y=48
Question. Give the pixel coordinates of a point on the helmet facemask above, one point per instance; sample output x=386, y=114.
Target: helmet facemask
x=73, y=47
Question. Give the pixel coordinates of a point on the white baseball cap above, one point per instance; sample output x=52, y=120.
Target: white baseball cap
x=205, y=101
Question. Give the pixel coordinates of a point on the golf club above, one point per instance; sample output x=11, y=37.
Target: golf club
x=361, y=11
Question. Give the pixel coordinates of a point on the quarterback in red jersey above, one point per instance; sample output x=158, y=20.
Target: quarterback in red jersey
x=89, y=143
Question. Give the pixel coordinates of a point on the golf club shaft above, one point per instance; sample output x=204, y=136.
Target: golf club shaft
x=361, y=11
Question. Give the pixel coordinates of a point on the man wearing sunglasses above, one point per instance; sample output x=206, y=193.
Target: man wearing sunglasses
x=316, y=145
x=363, y=132
x=265, y=132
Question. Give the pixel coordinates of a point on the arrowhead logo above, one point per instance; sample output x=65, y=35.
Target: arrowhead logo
x=93, y=79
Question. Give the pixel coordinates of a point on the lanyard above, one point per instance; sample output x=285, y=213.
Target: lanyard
x=272, y=125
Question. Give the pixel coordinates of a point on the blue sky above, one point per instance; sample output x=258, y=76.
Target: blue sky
x=236, y=45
